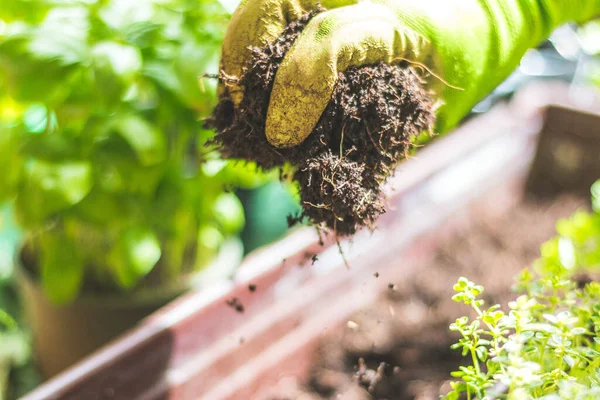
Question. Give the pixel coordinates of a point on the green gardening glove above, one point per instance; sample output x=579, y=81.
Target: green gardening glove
x=469, y=46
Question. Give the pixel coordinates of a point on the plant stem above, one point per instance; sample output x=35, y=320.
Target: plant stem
x=475, y=361
x=543, y=352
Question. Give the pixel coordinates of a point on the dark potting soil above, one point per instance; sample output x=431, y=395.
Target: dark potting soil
x=367, y=127
x=399, y=348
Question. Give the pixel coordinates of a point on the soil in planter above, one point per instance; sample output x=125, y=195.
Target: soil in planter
x=369, y=124
x=399, y=348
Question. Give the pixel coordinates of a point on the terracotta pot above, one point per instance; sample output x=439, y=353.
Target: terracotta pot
x=65, y=334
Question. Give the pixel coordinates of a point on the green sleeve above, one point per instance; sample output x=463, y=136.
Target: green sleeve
x=480, y=42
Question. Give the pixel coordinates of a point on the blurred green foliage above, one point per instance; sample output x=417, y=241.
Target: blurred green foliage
x=576, y=246
x=101, y=139
x=16, y=375
x=17, y=372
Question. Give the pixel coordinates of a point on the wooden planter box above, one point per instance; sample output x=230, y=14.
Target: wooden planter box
x=201, y=347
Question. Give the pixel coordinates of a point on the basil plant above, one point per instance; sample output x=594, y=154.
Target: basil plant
x=102, y=143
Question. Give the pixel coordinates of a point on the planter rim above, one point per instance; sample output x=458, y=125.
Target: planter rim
x=222, y=267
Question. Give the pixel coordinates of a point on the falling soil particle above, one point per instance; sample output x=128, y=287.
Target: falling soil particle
x=374, y=114
x=407, y=356
x=236, y=305
x=252, y=288
x=376, y=274
x=308, y=257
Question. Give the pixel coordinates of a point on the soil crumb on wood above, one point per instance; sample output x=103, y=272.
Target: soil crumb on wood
x=236, y=305
x=368, y=126
x=406, y=355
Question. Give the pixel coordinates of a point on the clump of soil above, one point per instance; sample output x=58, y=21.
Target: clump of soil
x=399, y=347
x=368, y=125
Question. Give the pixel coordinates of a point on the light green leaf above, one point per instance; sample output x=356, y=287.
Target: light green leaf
x=210, y=239
x=242, y=174
x=9, y=164
x=193, y=60
x=53, y=186
x=17, y=10
x=135, y=255
x=14, y=348
x=35, y=118
x=140, y=33
x=121, y=14
x=229, y=212
x=105, y=209
x=62, y=268
x=6, y=321
x=596, y=196
x=115, y=67
x=163, y=74
x=230, y=5
x=147, y=142
x=62, y=35
x=29, y=78
x=122, y=60
x=117, y=168
x=589, y=37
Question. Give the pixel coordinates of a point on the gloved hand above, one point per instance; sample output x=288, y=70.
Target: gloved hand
x=469, y=46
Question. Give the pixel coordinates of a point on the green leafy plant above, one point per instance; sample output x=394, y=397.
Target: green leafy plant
x=101, y=140
x=547, y=345
x=14, y=350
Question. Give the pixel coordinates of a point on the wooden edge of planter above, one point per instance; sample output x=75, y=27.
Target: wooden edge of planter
x=201, y=347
